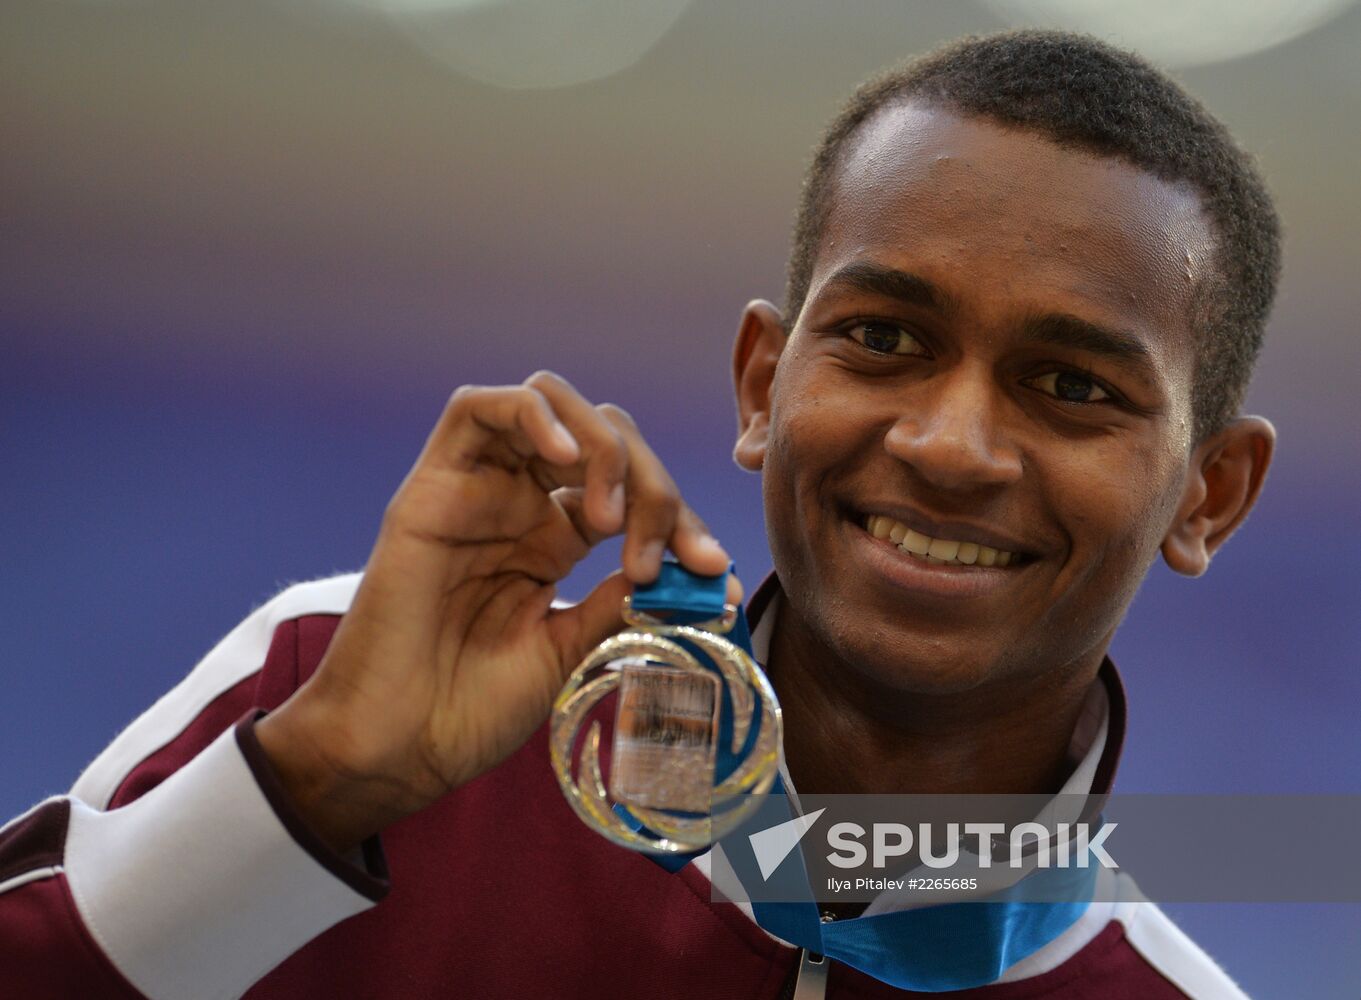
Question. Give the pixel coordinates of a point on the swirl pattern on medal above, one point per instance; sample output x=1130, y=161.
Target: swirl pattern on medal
x=750, y=702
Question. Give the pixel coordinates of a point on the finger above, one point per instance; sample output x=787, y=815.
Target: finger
x=696, y=547
x=569, y=499
x=582, y=627
x=579, y=629
x=521, y=416
x=602, y=450
x=654, y=503
x=736, y=592
x=657, y=517
x=572, y=500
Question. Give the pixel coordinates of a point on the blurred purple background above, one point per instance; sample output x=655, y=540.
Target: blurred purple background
x=247, y=249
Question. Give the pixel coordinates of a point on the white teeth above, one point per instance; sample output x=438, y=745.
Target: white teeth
x=942, y=549
x=938, y=551
x=916, y=543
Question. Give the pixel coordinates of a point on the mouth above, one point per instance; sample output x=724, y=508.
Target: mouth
x=939, y=550
x=942, y=565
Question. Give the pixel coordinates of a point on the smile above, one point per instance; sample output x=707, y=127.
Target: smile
x=939, y=551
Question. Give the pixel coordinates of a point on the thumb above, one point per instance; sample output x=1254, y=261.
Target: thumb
x=584, y=626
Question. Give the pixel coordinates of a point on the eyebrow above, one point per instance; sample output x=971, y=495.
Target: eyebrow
x=1064, y=330
x=875, y=279
x=1057, y=329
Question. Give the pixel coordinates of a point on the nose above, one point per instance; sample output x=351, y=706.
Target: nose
x=951, y=432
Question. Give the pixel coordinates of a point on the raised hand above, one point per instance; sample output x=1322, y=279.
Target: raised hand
x=451, y=654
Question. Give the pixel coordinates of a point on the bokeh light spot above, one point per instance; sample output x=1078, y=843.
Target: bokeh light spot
x=1178, y=32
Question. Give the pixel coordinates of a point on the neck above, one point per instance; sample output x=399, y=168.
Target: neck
x=844, y=734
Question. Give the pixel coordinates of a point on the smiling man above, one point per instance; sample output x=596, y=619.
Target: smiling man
x=1029, y=280
x=979, y=424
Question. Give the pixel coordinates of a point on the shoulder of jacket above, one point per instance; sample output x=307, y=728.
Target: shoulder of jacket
x=1166, y=948
x=239, y=655
x=330, y=595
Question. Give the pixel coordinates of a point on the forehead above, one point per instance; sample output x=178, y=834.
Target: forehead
x=1004, y=218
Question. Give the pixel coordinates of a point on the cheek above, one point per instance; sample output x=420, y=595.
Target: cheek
x=804, y=417
x=1116, y=520
x=816, y=434
x=802, y=442
x=1113, y=521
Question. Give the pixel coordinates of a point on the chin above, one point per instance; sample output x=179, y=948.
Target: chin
x=916, y=665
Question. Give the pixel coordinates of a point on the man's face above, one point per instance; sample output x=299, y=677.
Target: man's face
x=995, y=356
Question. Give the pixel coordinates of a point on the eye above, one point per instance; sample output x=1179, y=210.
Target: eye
x=1071, y=387
x=885, y=338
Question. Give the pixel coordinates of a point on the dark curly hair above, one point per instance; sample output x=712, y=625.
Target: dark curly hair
x=1081, y=92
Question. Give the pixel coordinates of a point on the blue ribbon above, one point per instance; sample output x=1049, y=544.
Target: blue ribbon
x=683, y=597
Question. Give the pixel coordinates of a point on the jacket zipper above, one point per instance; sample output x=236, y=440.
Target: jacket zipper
x=808, y=978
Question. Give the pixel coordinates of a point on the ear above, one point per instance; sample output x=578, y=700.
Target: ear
x=760, y=339
x=1227, y=471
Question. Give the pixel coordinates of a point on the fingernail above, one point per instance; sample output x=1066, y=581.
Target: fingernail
x=616, y=501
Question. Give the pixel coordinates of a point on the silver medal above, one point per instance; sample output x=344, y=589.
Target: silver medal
x=666, y=734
